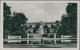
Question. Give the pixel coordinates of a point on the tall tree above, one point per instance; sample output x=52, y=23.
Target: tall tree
x=71, y=10
x=6, y=14
x=6, y=18
x=69, y=21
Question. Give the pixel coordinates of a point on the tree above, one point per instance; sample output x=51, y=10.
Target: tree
x=69, y=21
x=6, y=19
x=36, y=28
x=13, y=24
x=46, y=28
x=64, y=27
x=18, y=20
x=71, y=10
x=57, y=26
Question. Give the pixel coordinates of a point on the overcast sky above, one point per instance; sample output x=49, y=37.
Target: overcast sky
x=35, y=12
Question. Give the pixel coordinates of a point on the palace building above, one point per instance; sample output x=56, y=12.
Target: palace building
x=50, y=25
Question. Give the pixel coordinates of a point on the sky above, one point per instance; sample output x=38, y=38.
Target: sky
x=36, y=12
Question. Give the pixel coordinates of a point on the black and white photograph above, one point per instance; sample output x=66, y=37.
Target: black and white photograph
x=42, y=24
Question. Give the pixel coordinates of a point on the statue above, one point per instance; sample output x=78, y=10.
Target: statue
x=41, y=30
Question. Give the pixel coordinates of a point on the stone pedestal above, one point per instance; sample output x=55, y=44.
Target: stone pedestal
x=28, y=38
x=62, y=37
x=54, y=37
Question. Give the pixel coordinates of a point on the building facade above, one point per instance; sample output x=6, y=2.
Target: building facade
x=40, y=27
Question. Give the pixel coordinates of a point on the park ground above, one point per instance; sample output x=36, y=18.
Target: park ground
x=69, y=45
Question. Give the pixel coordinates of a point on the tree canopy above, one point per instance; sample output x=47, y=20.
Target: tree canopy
x=69, y=21
x=13, y=22
x=46, y=28
x=36, y=28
